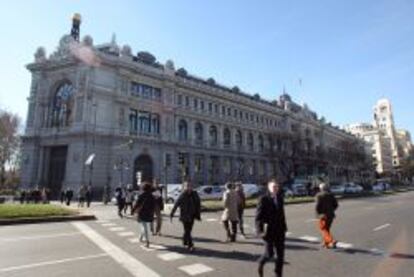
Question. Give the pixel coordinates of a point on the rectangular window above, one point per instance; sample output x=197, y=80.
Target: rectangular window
x=235, y=113
x=195, y=103
x=180, y=100
x=187, y=101
x=228, y=111
x=223, y=110
x=216, y=109
x=133, y=119
x=202, y=105
x=210, y=107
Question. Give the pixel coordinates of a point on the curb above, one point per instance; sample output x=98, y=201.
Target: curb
x=50, y=219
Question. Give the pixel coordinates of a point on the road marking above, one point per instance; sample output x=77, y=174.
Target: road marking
x=102, y=221
x=288, y=234
x=42, y=237
x=310, y=239
x=195, y=269
x=117, y=229
x=14, y=268
x=212, y=220
x=153, y=247
x=171, y=256
x=108, y=224
x=126, y=234
x=135, y=267
x=312, y=220
x=382, y=227
x=134, y=240
x=344, y=245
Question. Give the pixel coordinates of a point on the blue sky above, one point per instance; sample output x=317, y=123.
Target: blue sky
x=348, y=53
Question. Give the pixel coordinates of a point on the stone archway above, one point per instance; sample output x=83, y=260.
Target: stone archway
x=145, y=165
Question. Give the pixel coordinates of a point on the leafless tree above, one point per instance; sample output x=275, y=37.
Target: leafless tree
x=9, y=144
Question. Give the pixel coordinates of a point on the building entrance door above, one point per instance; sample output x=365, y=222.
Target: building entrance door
x=56, y=170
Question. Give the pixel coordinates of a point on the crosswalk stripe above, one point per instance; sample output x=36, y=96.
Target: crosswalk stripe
x=117, y=229
x=126, y=234
x=134, y=266
x=171, y=256
x=195, y=269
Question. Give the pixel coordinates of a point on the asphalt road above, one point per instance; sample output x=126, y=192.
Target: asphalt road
x=376, y=235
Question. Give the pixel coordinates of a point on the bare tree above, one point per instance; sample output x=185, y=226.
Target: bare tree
x=9, y=143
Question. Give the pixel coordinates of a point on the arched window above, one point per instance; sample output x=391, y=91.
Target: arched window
x=261, y=143
x=213, y=135
x=62, y=106
x=239, y=139
x=198, y=130
x=226, y=137
x=182, y=130
x=250, y=142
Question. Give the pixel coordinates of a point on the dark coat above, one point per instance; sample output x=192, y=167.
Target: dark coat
x=267, y=213
x=326, y=204
x=145, y=206
x=190, y=206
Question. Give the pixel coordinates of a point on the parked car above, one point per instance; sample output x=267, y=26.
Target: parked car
x=337, y=189
x=173, y=191
x=379, y=187
x=251, y=190
x=210, y=192
x=288, y=193
x=352, y=188
x=299, y=190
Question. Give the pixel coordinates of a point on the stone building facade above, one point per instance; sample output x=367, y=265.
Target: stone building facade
x=129, y=113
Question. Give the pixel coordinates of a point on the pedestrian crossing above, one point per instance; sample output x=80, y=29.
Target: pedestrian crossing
x=199, y=268
x=166, y=256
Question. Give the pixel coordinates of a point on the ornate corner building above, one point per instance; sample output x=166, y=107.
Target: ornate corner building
x=99, y=114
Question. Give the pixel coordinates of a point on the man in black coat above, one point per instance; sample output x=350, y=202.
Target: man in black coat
x=271, y=226
x=190, y=207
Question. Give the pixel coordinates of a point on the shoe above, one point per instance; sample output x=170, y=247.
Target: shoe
x=147, y=244
x=191, y=248
x=332, y=245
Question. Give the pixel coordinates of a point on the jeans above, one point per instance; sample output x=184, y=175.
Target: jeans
x=144, y=235
x=188, y=227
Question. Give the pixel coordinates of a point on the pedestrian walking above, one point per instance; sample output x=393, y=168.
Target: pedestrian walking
x=81, y=196
x=44, y=196
x=120, y=200
x=106, y=194
x=190, y=209
x=62, y=195
x=230, y=216
x=145, y=208
x=241, y=207
x=129, y=198
x=159, y=207
x=69, y=196
x=271, y=226
x=326, y=206
x=88, y=196
x=22, y=196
